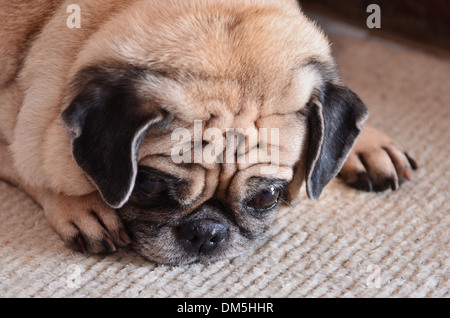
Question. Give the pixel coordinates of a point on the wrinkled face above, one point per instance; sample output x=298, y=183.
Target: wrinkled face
x=199, y=133
x=210, y=180
x=167, y=230
x=216, y=202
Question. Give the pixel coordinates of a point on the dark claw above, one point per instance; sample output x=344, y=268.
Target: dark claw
x=412, y=162
x=393, y=184
x=124, y=237
x=385, y=184
x=79, y=243
x=108, y=245
x=363, y=182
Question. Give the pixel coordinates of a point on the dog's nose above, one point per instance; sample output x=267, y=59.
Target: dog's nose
x=203, y=235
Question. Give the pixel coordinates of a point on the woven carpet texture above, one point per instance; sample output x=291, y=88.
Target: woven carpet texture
x=348, y=244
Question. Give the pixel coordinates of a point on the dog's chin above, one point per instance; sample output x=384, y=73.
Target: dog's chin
x=162, y=245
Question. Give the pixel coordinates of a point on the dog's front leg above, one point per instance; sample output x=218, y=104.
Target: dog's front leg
x=85, y=223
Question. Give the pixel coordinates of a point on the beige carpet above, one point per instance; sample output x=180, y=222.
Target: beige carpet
x=348, y=244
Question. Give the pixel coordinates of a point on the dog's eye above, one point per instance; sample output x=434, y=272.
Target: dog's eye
x=265, y=199
x=152, y=187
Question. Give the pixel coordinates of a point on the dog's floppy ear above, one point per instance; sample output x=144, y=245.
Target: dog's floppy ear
x=107, y=122
x=334, y=117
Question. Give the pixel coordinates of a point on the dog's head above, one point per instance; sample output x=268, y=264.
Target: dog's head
x=197, y=123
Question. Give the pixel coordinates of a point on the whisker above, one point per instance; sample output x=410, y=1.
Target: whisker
x=288, y=203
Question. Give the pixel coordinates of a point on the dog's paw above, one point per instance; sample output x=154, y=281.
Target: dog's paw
x=377, y=163
x=86, y=223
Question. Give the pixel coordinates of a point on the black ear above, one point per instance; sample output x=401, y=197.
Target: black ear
x=335, y=120
x=107, y=122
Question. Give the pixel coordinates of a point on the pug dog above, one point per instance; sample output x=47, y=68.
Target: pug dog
x=97, y=98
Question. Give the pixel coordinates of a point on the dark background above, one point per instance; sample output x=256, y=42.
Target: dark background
x=420, y=22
